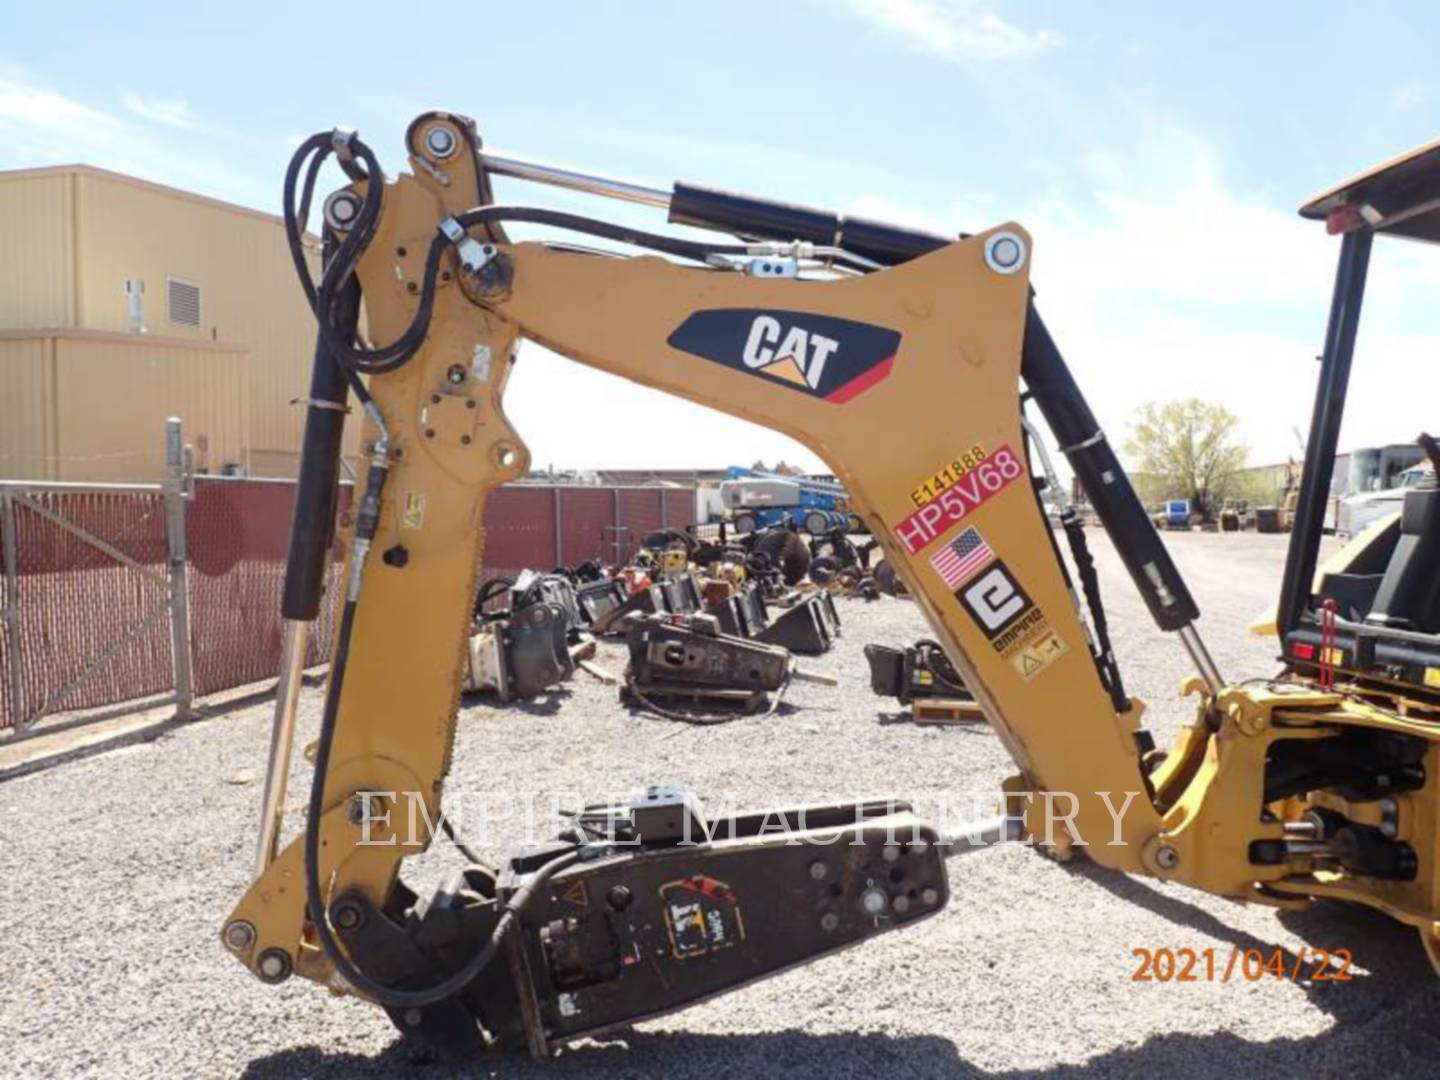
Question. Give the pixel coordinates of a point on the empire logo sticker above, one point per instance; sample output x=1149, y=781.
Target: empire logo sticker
x=950, y=506
x=995, y=600
x=1017, y=629
x=820, y=355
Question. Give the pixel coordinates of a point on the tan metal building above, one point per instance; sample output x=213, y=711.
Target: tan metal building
x=123, y=302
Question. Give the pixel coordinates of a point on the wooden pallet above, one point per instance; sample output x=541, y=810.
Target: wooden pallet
x=944, y=711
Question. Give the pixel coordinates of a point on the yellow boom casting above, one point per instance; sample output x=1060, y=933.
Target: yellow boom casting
x=896, y=356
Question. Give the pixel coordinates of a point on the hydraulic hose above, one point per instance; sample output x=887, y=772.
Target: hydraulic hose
x=514, y=906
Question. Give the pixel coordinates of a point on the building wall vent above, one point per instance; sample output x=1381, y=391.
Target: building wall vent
x=135, y=299
x=183, y=302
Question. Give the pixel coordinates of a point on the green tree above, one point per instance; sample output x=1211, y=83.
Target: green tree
x=1189, y=449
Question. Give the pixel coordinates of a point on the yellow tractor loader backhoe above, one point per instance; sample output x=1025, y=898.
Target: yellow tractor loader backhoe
x=899, y=358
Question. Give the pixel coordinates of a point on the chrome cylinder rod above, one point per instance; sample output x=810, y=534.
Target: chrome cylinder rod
x=978, y=835
x=625, y=190
x=1190, y=638
x=282, y=738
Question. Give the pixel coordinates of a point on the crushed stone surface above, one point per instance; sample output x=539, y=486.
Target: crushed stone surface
x=117, y=871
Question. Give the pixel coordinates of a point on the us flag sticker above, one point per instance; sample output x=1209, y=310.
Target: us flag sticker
x=962, y=558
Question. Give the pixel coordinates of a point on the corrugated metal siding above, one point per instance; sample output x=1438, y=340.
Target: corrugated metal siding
x=519, y=529
x=115, y=394
x=36, y=269
x=586, y=519
x=249, y=295
x=27, y=450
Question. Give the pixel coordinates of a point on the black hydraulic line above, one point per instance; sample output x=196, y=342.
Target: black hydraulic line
x=1090, y=454
x=1090, y=585
x=670, y=245
x=1101, y=653
x=340, y=268
x=1335, y=363
x=319, y=917
x=312, y=526
x=932, y=654
x=750, y=215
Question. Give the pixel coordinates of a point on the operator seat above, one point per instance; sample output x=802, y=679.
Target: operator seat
x=1409, y=594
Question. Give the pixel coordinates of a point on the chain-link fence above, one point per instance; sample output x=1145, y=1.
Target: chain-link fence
x=115, y=593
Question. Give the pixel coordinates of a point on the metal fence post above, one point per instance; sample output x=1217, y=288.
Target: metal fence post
x=664, y=518
x=12, y=608
x=174, y=496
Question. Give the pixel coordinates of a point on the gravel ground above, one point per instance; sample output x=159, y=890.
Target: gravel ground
x=118, y=869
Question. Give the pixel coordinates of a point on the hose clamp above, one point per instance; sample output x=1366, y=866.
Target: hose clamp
x=474, y=256
x=321, y=403
x=342, y=141
x=1084, y=444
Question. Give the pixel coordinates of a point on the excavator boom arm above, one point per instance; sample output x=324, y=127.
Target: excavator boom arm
x=905, y=379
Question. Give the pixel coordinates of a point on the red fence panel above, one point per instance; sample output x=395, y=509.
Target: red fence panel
x=237, y=536
x=639, y=514
x=587, y=517
x=679, y=507
x=77, y=604
x=93, y=631
x=519, y=530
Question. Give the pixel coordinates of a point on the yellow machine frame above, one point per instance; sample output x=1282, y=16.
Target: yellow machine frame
x=950, y=387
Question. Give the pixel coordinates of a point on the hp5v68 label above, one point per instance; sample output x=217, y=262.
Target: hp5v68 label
x=950, y=506
x=820, y=355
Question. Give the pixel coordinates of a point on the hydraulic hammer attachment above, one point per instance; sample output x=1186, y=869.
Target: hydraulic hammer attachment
x=653, y=909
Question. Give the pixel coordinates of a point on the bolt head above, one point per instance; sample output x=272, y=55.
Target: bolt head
x=1167, y=858
x=819, y=871
x=1005, y=253
x=930, y=897
x=619, y=897
x=829, y=921
x=239, y=935
x=874, y=901
x=341, y=209
x=890, y=853
x=901, y=904
x=440, y=141
x=347, y=916
x=413, y=1017
x=274, y=965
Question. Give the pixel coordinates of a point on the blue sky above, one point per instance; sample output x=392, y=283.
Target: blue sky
x=1156, y=152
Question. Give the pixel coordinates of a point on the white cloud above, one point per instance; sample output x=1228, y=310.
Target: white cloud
x=172, y=113
x=23, y=103
x=955, y=30
x=1416, y=95
x=1161, y=279
x=42, y=125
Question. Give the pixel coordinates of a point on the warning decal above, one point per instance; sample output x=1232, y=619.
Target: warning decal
x=701, y=916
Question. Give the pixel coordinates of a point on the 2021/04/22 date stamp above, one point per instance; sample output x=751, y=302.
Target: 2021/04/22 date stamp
x=1240, y=965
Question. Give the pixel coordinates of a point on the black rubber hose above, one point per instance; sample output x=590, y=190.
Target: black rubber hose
x=388, y=995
